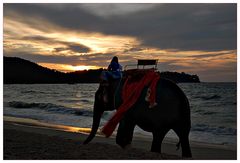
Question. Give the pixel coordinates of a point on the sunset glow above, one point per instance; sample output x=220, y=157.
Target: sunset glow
x=90, y=43
x=67, y=68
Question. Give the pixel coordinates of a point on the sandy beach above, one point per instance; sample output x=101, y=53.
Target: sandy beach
x=23, y=141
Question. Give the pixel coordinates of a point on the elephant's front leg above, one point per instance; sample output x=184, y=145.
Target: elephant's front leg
x=125, y=132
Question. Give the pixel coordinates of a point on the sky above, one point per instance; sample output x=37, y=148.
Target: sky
x=192, y=38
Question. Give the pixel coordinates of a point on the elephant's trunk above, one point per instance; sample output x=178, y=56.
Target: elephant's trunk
x=96, y=121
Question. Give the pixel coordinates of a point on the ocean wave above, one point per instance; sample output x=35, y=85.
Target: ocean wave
x=49, y=107
x=84, y=113
x=209, y=97
x=203, y=112
x=84, y=100
x=74, y=100
x=217, y=130
x=31, y=91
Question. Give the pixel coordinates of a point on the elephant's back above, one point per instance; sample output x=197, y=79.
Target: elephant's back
x=171, y=96
x=168, y=89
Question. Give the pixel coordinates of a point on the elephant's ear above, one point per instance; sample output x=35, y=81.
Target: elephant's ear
x=105, y=98
x=103, y=95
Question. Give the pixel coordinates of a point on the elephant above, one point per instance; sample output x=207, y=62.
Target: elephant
x=171, y=112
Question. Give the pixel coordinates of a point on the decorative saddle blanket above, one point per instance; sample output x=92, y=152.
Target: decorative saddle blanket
x=132, y=89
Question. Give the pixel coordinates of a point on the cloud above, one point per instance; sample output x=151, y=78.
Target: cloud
x=78, y=48
x=209, y=27
x=115, y=9
x=99, y=59
x=37, y=38
x=217, y=54
x=34, y=57
x=66, y=46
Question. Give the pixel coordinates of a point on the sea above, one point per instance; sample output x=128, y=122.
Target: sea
x=213, y=108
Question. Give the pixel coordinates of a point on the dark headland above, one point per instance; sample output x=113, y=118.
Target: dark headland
x=21, y=71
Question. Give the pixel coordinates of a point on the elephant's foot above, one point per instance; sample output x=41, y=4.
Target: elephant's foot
x=187, y=158
x=124, y=145
x=157, y=150
x=187, y=155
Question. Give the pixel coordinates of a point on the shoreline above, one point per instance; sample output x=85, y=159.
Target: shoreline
x=200, y=151
x=86, y=131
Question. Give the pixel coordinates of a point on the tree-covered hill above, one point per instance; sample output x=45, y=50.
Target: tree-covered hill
x=20, y=71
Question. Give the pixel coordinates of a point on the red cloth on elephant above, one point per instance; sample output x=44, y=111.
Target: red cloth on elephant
x=131, y=93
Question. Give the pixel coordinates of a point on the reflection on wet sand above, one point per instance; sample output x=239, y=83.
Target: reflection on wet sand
x=36, y=123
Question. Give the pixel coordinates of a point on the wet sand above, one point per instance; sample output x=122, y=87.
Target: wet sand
x=35, y=142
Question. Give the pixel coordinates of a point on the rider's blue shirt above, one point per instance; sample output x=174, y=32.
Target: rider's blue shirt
x=114, y=66
x=114, y=71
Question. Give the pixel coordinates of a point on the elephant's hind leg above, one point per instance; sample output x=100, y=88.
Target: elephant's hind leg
x=158, y=137
x=184, y=140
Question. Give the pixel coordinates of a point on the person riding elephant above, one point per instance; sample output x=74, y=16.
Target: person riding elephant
x=114, y=70
x=111, y=78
